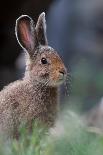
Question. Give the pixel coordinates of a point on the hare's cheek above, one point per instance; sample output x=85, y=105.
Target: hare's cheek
x=44, y=75
x=54, y=76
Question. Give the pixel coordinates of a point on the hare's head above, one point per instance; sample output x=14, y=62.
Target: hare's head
x=43, y=64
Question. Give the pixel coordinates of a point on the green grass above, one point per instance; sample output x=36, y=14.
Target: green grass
x=68, y=138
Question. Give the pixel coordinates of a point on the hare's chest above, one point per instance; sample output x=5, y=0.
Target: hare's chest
x=38, y=106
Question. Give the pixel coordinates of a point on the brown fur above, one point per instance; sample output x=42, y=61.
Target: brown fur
x=36, y=95
x=23, y=102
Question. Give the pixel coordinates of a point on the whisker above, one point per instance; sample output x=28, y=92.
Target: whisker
x=68, y=85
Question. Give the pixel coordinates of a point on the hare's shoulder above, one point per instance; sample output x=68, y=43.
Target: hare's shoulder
x=10, y=94
x=10, y=91
x=10, y=87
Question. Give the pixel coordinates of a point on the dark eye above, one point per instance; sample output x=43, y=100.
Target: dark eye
x=44, y=61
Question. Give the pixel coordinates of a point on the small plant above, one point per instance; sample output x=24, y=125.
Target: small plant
x=69, y=137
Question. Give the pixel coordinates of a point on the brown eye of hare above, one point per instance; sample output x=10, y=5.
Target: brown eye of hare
x=44, y=61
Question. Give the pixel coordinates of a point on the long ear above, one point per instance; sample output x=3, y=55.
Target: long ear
x=25, y=33
x=41, y=30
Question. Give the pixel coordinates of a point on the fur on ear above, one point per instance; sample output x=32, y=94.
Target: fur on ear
x=25, y=33
x=41, y=30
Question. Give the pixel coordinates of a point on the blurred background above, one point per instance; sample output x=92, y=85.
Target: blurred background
x=75, y=30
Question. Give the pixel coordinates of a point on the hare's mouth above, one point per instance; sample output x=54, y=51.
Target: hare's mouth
x=60, y=80
x=62, y=76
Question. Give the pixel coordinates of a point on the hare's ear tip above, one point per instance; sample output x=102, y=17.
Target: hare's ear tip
x=23, y=17
x=42, y=15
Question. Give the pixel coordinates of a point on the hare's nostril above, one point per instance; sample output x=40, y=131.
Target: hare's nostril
x=63, y=72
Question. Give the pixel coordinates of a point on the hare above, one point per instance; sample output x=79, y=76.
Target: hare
x=36, y=96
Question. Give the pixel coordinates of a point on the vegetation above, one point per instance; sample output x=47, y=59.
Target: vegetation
x=69, y=137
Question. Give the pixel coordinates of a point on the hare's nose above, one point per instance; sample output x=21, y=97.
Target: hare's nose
x=62, y=71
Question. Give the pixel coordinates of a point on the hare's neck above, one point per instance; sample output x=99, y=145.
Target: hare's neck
x=47, y=103
x=44, y=102
x=48, y=95
x=43, y=94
